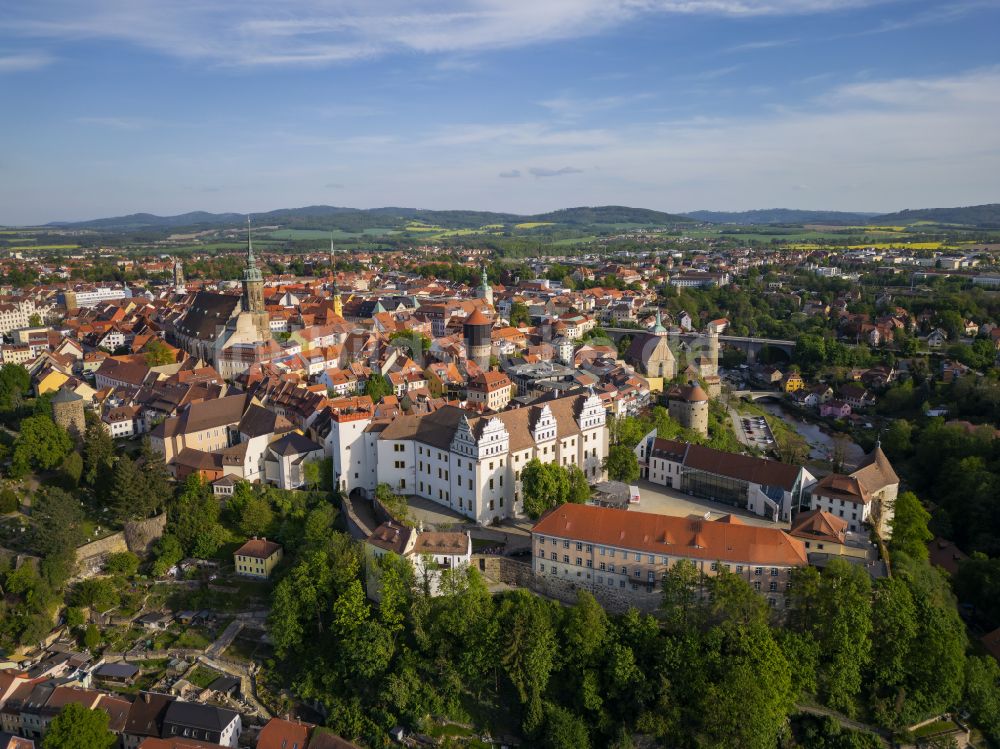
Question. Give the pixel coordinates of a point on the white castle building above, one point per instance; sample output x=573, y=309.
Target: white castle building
x=469, y=463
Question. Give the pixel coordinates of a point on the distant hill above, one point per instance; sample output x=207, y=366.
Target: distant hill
x=974, y=215
x=780, y=216
x=356, y=219
x=608, y=214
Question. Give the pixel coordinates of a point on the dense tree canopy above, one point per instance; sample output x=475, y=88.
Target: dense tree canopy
x=76, y=727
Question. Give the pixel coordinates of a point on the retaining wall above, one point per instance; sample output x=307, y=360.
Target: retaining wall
x=516, y=573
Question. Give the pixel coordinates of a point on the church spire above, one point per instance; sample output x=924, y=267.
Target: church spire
x=252, y=272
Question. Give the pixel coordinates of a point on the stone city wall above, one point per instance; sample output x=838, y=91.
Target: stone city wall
x=519, y=574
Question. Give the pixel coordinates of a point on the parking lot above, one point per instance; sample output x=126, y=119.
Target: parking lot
x=756, y=432
x=663, y=501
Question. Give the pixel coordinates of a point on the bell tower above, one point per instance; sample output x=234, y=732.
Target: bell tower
x=253, y=292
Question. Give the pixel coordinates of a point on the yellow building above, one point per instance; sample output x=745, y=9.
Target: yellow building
x=793, y=381
x=257, y=558
x=51, y=381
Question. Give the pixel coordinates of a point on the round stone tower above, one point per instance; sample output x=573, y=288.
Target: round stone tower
x=478, y=343
x=67, y=412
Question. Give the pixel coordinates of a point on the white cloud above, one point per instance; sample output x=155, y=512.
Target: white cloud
x=538, y=171
x=511, y=174
x=23, y=62
x=115, y=123
x=319, y=32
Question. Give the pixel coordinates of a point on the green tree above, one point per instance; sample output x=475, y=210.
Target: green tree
x=622, y=464
x=157, y=353
x=894, y=627
x=528, y=646
x=125, y=495
x=681, y=595
x=837, y=612
x=579, y=487
x=196, y=519
x=71, y=470
x=122, y=563
x=910, y=534
x=169, y=552
x=897, y=439
x=58, y=522
x=98, y=452
x=256, y=516
x=377, y=387
x=544, y=486
x=563, y=729
x=157, y=484
x=519, y=314
x=41, y=445
x=982, y=693
x=15, y=384
x=9, y=501
x=91, y=638
x=752, y=671
x=76, y=727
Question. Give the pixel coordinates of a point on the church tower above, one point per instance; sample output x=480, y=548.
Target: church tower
x=253, y=292
x=338, y=301
x=179, y=286
x=485, y=290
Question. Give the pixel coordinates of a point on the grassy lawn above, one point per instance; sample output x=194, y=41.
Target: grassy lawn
x=194, y=639
x=938, y=726
x=202, y=676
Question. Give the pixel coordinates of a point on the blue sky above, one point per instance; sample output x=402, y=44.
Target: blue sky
x=116, y=106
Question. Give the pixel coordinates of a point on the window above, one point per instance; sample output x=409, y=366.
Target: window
x=590, y=563
x=756, y=585
x=715, y=566
x=541, y=568
x=602, y=566
x=637, y=573
x=565, y=544
x=774, y=572
x=759, y=571
x=590, y=548
x=739, y=568
x=579, y=562
x=611, y=568
x=638, y=557
x=624, y=570
x=773, y=586
x=565, y=558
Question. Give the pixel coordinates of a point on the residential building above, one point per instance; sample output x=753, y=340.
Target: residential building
x=286, y=459
x=826, y=535
x=429, y=552
x=257, y=558
x=194, y=720
x=866, y=496
x=489, y=391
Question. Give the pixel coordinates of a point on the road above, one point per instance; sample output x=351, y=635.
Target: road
x=846, y=722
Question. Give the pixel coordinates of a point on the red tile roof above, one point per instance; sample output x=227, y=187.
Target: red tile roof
x=673, y=536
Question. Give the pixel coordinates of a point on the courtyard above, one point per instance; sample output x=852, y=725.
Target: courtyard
x=663, y=501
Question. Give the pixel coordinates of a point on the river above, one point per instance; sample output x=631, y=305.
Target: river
x=820, y=442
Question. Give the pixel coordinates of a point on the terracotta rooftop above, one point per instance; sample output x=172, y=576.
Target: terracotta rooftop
x=673, y=536
x=819, y=524
x=284, y=734
x=258, y=548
